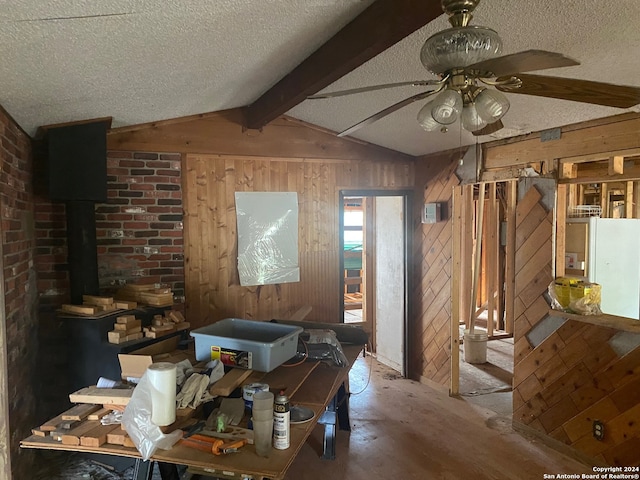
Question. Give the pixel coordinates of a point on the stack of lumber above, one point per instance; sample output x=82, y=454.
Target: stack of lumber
x=147, y=294
x=81, y=424
x=125, y=329
x=164, y=325
x=95, y=305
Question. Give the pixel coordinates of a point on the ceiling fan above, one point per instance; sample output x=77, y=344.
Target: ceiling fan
x=471, y=77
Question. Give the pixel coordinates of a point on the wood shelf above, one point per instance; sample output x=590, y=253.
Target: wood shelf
x=611, y=321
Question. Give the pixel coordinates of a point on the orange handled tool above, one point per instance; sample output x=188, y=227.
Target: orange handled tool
x=219, y=447
x=213, y=445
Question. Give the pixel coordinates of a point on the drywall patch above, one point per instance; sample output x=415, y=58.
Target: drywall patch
x=624, y=342
x=544, y=329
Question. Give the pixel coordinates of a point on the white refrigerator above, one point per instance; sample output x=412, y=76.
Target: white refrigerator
x=611, y=259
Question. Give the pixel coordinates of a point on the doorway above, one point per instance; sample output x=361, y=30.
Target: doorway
x=374, y=246
x=484, y=226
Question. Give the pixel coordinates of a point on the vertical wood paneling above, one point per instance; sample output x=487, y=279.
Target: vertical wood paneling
x=212, y=284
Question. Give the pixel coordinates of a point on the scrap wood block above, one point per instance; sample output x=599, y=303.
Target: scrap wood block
x=96, y=300
x=97, y=436
x=176, y=316
x=128, y=442
x=231, y=380
x=72, y=437
x=38, y=432
x=81, y=309
x=134, y=336
x=116, y=436
x=117, y=336
x=98, y=414
x=104, y=396
x=127, y=326
x=138, y=287
x=102, y=308
x=79, y=412
x=126, y=319
x=163, y=328
x=125, y=304
x=50, y=425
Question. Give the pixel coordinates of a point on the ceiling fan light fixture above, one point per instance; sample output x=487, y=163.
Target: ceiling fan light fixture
x=459, y=47
x=446, y=107
x=491, y=105
x=470, y=119
x=425, y=118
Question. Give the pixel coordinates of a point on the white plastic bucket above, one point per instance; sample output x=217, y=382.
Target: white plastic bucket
x=475, y=347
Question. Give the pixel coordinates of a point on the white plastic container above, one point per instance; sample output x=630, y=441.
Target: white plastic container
x=475, y=346
x=260, y=346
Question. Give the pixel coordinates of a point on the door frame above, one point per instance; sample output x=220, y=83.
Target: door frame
x=407, y=204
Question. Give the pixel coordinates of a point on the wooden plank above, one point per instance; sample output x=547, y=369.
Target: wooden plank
x=610, y=321
x=616, y=165
x=97, y=436
x=231, y=380
x=72, y=437
x=80, y=412
x=95, y=300
x=454, y=321
x=353, y=45
x=510, y=256
x=103, y=396
x=98, y=414
x=598, y=139
x=116, y=436
x=80, y=309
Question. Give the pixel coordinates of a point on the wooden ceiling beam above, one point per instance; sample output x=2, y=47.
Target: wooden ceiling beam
x=381, y=25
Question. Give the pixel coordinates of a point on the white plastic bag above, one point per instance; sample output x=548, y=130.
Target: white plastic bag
x=136, y=419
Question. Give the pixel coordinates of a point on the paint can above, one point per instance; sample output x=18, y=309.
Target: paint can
x=281, y=421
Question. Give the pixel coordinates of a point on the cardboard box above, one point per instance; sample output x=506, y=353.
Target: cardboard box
x=134, y=364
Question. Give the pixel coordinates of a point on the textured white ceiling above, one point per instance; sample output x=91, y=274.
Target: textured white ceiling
x=145, y=60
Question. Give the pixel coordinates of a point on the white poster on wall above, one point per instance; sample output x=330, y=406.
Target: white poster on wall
x=267, y=237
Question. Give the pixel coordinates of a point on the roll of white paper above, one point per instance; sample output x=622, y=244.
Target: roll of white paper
x=162, y=378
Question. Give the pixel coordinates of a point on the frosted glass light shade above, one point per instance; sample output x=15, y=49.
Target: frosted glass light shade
x=425, y=119
x=471, y=121
x=491, y=105
x=459, y=47
x=446, y=107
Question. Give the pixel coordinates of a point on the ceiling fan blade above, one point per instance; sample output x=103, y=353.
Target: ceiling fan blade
x=489, y=129
x=584, y=91
x=341, y=93
x=526, y=61
x=387, y=111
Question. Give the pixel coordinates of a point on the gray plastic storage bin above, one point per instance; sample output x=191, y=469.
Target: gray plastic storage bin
x=260, y=346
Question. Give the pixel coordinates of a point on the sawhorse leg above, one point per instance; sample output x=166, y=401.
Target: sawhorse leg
x=337, y=412
x=142, y=470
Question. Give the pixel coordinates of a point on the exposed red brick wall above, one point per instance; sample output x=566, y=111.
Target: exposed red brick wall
x=20, y=296
x=140, y=230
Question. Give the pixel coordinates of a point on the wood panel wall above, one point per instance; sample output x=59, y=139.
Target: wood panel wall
x=221, y=157
x=430, y=352
x=212, y=285
x=574, y=376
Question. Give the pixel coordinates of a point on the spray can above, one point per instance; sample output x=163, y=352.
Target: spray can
x=281, y=421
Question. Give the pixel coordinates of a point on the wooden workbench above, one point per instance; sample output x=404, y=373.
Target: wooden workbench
x=313, y=386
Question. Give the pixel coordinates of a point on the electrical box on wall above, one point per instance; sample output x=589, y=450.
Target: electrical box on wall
x=431, y=213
